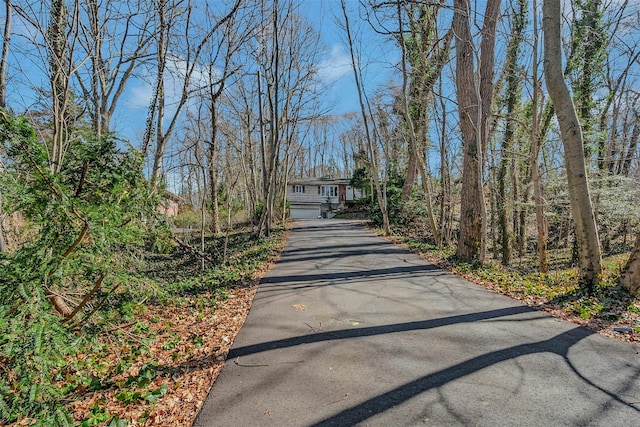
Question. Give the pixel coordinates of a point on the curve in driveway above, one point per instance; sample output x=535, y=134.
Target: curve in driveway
x=348, y=329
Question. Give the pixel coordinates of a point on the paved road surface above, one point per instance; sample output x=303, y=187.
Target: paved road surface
x=348, y=329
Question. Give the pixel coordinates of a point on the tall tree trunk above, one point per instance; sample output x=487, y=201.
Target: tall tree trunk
x=512, y=94
x=486, y=71
x=273, y=97
x=96, y=35
x=201, y=184
x=587, y=61
x=538, y=197
x=501, y=205
x=59, y=75
x=536, y=141
x=470, y=212
x=216, y=86
x=474, y=105
x=445, y=177
x=156, y=101
x=249, y=162
x=212, y=165
x=630, y=277
x=6, y=39
x=275, y=124
x=588, y=245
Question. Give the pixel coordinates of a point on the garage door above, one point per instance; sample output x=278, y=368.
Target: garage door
x=305, y=212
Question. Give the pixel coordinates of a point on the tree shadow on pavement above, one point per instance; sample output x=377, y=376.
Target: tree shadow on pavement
x=559, y=345
x=330, y=277
x=376, y=330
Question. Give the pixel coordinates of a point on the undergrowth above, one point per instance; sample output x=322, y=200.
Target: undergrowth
x=608, y=304
x=82, y=360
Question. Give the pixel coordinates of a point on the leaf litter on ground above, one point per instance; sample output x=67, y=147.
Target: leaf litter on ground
x=156, y=367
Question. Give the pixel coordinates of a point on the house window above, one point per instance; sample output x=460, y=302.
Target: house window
x=329, y=191
x=298, y=188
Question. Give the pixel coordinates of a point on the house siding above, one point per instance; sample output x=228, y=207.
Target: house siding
x=168, y=208
x=313, y=194
x=310, y=195
x=170, y=204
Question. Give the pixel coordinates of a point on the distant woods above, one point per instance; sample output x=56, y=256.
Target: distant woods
x=508, y=133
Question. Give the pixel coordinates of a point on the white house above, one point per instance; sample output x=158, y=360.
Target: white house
x=317, y=197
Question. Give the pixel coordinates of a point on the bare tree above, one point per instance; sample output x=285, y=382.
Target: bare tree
x=446, y=202
x=6, y=40
x=186, y=66
x=115, y=37
x=368, y=132
x=287, y=55
x=510, y=101
x=588, y=245
x=197, y=165
x=239, y=105
x=220, y=68
x=4, y=59
x=57, y=23
x=536, y=140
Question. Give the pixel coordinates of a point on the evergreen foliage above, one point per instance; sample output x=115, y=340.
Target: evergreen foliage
x=361, y=179
x=88, y=225
x=393, y=189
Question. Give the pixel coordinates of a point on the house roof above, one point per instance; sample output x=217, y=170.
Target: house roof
x=319, y=181
x=172, y=196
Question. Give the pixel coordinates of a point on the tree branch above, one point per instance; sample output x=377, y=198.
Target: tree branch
x=85, y=299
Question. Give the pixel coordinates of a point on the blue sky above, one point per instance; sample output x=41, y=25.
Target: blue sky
x=335, y=67
x=377, y=55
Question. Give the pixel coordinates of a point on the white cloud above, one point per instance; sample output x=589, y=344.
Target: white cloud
x=139, y=95
x=335, y=66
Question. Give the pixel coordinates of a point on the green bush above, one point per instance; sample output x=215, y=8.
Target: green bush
x=188, y=217
x=91, y=217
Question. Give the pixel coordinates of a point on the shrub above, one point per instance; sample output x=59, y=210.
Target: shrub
x=91, y=217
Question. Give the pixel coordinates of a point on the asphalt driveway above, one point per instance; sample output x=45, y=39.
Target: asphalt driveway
x=348, y=329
